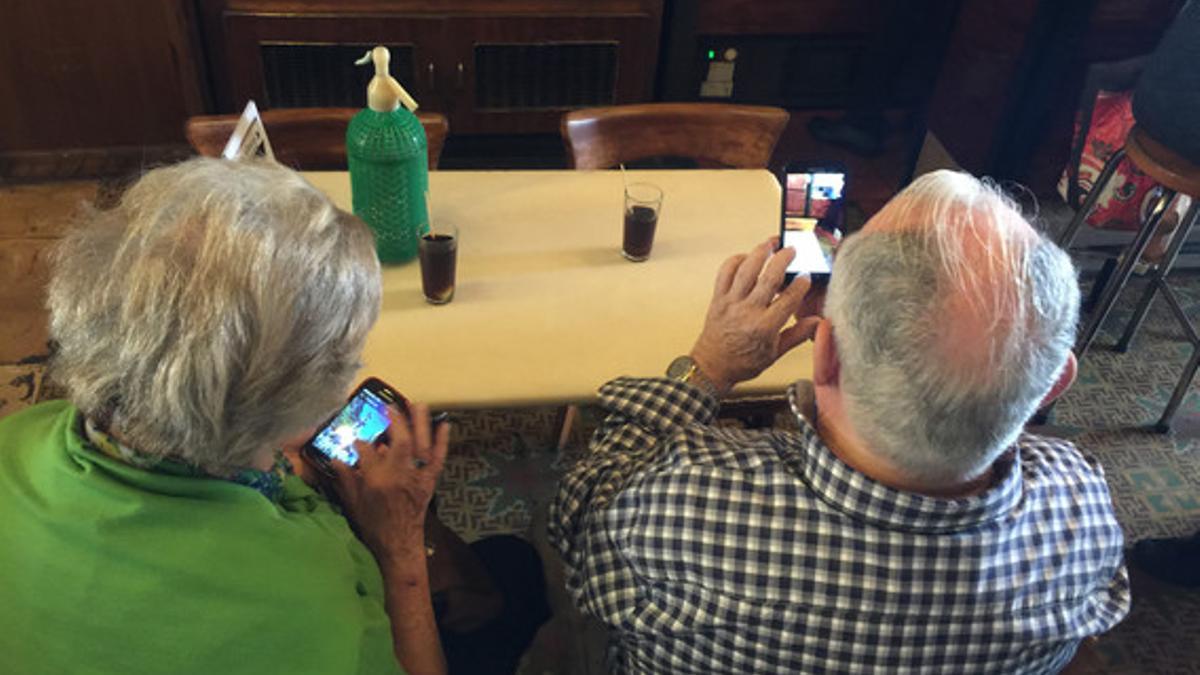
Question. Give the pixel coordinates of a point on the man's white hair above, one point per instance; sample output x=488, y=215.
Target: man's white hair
x=951, y=322
x=219, y=308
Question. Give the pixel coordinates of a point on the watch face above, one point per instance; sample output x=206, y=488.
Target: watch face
x=680, y=367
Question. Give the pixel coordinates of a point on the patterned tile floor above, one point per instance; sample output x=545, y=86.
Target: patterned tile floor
x=503, y=469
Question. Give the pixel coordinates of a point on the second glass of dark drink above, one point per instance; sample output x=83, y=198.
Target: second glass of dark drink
x=643, y=202
x=438, y=252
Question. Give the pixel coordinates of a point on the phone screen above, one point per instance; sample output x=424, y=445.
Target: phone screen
x=813, y=214
x=814, y=254
x=364, y=418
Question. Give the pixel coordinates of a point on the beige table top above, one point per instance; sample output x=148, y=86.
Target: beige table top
x=546, y=309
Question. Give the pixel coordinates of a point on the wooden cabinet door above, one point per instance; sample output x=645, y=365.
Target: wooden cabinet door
x=510, y=74
x=308, y=61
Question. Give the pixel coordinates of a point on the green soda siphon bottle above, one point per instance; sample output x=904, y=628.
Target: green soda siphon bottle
x=389, y=164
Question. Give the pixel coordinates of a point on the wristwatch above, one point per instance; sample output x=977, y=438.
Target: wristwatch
x=685, y=369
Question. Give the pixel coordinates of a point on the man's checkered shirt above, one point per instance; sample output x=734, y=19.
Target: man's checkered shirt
x=714, y=550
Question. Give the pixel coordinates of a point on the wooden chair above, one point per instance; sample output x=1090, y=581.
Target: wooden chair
x=714, y=135
x=305, y=138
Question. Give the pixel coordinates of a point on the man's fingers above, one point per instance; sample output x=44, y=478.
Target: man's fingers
x=789, y=300
x=726, y=273
x=772, y=276
x=814, y=302
x=419, y=416
x=798, y=333
x=441, y=447
x=367, y=455
x=748, y=272
x=343, y=474
x=401, y=441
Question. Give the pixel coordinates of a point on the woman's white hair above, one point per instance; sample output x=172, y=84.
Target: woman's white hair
x=952, y=321
x=218, y=309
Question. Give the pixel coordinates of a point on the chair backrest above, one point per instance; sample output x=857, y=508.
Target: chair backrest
x=711, y=134
x=305, y=138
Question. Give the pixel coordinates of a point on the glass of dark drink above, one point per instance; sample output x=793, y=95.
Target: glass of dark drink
x=643, y=202
x=438, y=252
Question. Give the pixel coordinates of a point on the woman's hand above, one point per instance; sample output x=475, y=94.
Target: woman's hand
x=387, y=495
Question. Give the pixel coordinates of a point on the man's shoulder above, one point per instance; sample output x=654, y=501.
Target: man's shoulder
x=1063, y=482
x=729, y=448
x=1050, y=458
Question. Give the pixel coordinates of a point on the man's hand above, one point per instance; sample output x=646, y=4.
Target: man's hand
x=388, y=494
x=744, y=331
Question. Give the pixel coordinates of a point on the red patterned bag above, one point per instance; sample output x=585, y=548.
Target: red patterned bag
x=1119, y=207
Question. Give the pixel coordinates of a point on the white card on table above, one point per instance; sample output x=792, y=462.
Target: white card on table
x=249, y=137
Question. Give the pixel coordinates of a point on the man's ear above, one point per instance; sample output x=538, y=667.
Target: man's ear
x=1066, y=377
x=826, y=366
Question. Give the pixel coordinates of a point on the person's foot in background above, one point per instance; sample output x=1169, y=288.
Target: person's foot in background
x=1175, y=561
x=862, y=135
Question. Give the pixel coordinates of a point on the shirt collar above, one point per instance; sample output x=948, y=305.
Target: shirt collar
x=866, y=499
x=269, y=483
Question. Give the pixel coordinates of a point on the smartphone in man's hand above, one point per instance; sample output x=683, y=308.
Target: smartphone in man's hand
x=812, y=217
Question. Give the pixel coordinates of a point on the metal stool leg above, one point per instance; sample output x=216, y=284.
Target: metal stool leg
x=1068, y=235
x=1181, y=389
x=1098, y=285
x=1114, y=288
x=1159, y=277
x=1185, y=383
x=1185, y=379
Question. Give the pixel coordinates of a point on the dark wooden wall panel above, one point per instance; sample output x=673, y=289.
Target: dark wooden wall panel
x=82, y=74
x=443, y=35
x=1116, y=30
x=1005, y=99
x=976, y=85
x=773, y=17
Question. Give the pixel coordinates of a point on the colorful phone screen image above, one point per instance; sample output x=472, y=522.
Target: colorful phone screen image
x=816, y=194
x=364, y=418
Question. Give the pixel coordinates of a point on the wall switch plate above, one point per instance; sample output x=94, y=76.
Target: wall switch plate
x=719, y=82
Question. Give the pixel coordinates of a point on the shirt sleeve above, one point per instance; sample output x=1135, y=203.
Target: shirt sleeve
x=642, y=415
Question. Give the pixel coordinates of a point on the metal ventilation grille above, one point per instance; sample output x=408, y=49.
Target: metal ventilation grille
x=322, y=75
x=544, y=76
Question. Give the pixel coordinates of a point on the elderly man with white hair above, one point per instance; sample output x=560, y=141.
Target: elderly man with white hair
x=909, y=525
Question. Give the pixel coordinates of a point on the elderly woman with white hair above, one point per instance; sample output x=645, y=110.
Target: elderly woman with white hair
x=151, y=523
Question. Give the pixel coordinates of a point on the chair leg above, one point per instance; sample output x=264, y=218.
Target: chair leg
x=1114, y=287
x=1068, y=235
x=1098, y=286
x=567, y=420
x=1180, y=315
x=1181, y=389
x=1139, y=314
x=1185, y=379
x=1043, y=416
x=1159, y=277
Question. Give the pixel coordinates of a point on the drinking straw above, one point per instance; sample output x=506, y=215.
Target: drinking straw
x=429, y=213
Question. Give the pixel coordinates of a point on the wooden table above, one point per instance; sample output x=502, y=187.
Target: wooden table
x=546, y=309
